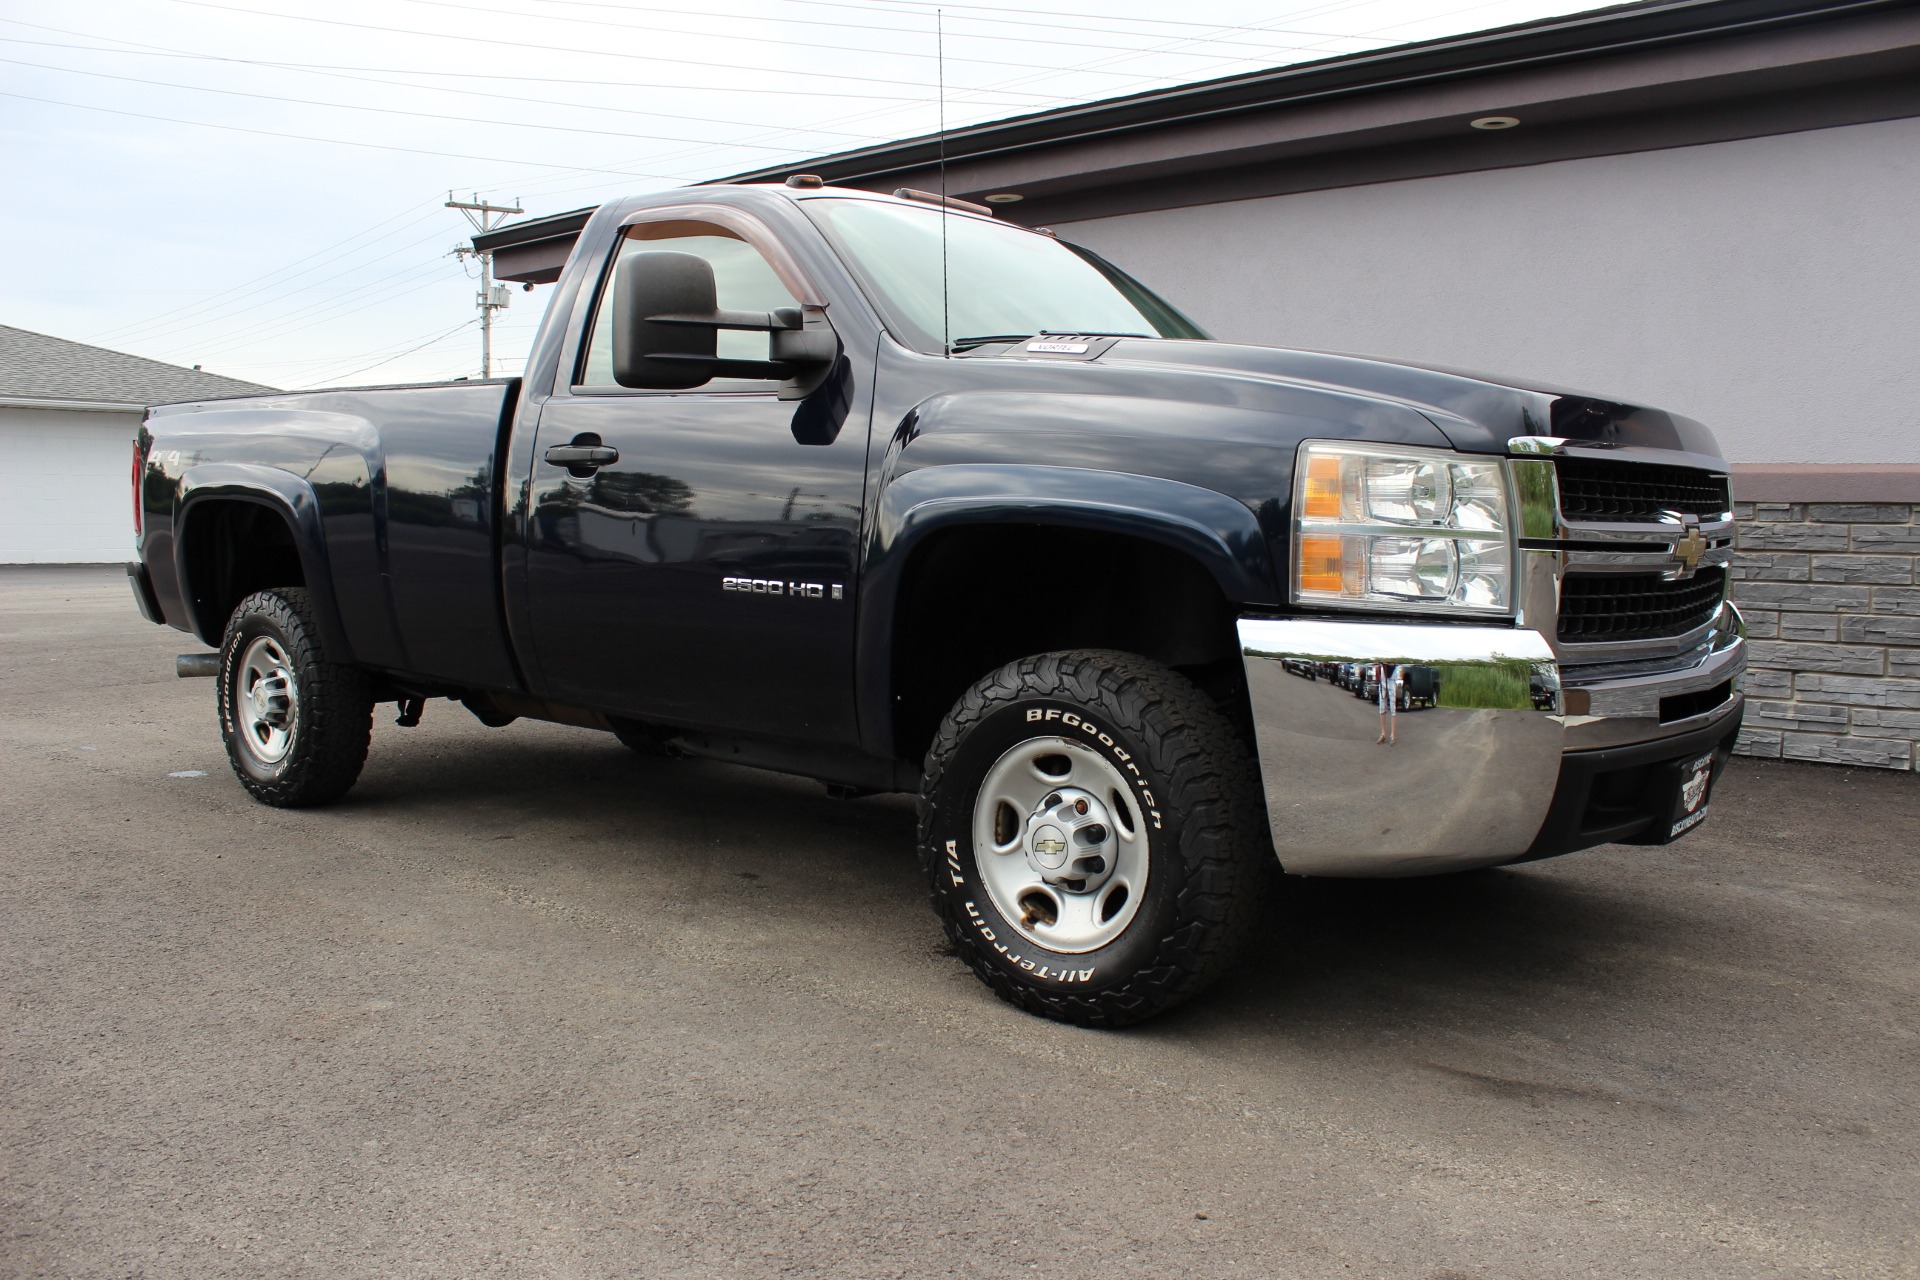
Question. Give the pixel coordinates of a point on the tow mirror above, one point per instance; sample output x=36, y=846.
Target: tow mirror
x=647, y=353
x=666, y=326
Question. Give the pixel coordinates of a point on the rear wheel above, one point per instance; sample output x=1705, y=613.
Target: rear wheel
x=1090, y=827
x=296, y=726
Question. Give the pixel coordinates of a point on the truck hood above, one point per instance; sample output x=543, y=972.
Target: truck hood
x=1478, y=413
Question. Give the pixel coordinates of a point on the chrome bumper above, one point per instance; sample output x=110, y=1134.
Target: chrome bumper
x=1470, y=779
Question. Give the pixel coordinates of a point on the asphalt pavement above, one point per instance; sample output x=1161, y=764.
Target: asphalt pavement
x=528, y=1005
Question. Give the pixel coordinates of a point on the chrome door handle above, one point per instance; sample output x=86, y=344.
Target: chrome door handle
x=582, y=455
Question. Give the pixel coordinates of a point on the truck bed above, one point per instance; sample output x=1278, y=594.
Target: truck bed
x=407, y=491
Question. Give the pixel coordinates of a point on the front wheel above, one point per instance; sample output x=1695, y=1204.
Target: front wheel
x=1091, y=831
x=296, y=726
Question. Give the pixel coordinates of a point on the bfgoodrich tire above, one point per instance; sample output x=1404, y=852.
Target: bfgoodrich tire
x=296, y=725
x=1092, y=835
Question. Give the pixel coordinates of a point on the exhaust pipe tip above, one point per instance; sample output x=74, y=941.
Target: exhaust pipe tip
x=189, y=665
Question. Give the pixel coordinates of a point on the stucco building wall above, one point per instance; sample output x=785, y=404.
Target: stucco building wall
x=1765, y=286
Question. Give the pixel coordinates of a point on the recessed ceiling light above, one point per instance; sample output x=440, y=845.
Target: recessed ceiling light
x=1004, y=197
x=1484, y=122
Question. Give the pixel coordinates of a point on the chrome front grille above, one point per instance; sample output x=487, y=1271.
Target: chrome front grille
x=1619, y=607
x=1606, y=491
x=1629, y=549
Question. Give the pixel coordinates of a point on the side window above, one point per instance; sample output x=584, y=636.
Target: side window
x=743, y=281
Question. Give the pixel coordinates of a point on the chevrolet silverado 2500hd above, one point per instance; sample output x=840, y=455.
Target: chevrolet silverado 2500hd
x=885, y=492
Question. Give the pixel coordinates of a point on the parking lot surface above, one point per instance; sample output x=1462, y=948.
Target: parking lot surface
x=528, y=1005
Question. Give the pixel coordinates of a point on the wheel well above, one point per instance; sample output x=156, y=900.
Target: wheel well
x=976, y=598
x=231, y=549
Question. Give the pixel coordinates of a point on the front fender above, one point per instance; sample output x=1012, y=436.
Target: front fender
x=1220, y=533
x=289, y=496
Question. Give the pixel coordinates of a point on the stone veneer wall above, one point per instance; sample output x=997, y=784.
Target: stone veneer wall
x=1831, y=594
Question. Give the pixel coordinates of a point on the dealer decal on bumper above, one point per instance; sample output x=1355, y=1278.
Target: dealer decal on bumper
x=1696, y=780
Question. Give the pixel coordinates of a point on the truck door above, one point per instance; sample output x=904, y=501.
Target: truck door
x=703, y=572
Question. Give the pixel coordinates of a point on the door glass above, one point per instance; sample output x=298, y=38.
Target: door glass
x=743, y=281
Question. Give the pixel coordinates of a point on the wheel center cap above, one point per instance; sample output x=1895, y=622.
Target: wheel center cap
x=1049, y=846
x=1069, y=840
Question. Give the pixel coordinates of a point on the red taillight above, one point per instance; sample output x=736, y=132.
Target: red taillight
x=140, y=443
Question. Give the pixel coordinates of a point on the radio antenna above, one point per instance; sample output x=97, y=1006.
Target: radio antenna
x=940, y=65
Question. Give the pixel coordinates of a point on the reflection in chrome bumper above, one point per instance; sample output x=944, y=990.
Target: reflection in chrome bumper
x=1469, y=779
x=1477, y=755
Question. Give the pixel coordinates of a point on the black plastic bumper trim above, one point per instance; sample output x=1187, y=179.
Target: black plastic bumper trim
x=1621, y=795
x=143, y=593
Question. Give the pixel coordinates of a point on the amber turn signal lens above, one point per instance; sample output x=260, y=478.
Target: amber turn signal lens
x=1323, y=487
x=1320, y=569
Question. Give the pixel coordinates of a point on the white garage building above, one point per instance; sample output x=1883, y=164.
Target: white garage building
x=68, y=413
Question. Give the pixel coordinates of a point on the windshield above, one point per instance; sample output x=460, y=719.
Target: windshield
x=1001, y=281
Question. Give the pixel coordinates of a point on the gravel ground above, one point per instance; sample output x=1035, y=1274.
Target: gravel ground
x=527, y=1005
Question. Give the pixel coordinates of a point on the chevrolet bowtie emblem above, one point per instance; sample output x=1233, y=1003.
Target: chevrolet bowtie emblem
x=1689, y=548
x=1049, y=847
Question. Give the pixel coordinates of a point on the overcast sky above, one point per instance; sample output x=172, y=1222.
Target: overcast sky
x=256, y=186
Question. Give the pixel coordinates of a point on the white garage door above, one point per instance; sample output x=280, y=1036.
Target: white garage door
x=65, y=494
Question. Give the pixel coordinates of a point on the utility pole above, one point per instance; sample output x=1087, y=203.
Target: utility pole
x=492, y=297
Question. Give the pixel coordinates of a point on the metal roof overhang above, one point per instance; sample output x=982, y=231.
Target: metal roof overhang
x=1640, y=76
x=533, y=252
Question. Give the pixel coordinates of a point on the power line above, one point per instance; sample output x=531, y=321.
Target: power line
x=338, y=142
x=154, y=51
x=1001, y=18
x=908, y=10
x=323, y=68
x=873, y=114
x=327, y=363
x=341, y=377
x=783, y=41
x=547, y=186
x=211, y=299
x=548, y=48
x=1141, y=50
x=1079, y=30
x=921, y=8
x=1129, y=55
x=330, y=308
x=164, y=331
x=1220, y=65
x=390, y=111
x=1029, y=79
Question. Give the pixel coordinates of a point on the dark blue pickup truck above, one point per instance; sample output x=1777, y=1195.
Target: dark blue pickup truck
x=885, y=492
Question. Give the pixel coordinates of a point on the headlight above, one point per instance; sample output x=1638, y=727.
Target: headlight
x=1401, y=528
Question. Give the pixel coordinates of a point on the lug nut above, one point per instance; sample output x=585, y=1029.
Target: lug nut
x=1080, y=805
x=1093, y=833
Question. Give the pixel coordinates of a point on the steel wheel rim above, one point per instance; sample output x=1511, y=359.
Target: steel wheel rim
x=266, y=701
x=1033, y=844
